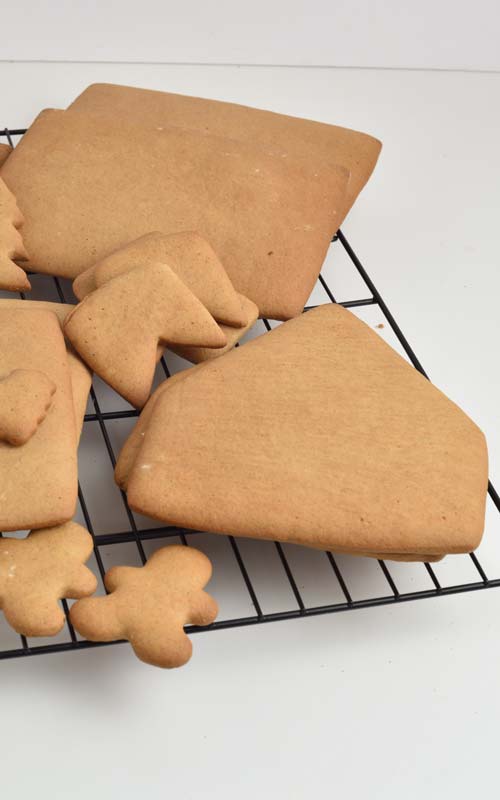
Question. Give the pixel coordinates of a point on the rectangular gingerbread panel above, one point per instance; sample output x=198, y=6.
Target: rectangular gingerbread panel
x=87, y=186
x=38, y=480
x=280, y=134
x=81, y=376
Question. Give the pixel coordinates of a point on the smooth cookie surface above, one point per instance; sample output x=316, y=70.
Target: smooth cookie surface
x=269, y=219
x=285, y=136
x=25, y=397
x=317, y=433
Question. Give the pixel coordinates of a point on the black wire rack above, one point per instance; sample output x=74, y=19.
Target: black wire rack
x=298, y=606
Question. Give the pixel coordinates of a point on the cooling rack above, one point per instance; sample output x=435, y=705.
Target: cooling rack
x=254, y=581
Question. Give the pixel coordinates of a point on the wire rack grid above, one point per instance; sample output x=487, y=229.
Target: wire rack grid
x=244, y=568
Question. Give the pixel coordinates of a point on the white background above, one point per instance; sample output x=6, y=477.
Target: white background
x=392, y=702
x=442, y=34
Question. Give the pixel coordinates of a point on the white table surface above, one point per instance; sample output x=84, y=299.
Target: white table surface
x=397, y=701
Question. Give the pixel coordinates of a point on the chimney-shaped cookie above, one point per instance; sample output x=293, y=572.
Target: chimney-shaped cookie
x=117, y=328
x=198, y=355
x=192, y=259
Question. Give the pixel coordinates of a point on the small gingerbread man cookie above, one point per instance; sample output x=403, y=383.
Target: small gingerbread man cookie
x=25, y=398
x=37, y=572
x=150, y=605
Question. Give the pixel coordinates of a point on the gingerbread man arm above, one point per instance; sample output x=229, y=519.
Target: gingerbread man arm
x=96, y=618
x=203, y=609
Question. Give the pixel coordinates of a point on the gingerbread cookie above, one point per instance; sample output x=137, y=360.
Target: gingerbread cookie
x=233, y=336
x=38, y=481
x=192, y=259
x=406, y=557
x=317, y=433
x=286, y=137
x=37, y=572
x=132, y=446
x=25, y=398
x=117, y=328
x=150, y=605
x=269, y=219
x=5, y=151
x=81, y=376
x=12, y=277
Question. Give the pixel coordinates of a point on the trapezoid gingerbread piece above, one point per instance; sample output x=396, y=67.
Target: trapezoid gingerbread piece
x=150, y=605
x=39, y=571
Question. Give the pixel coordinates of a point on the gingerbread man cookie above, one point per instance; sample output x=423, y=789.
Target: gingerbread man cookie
x=150, y=605
x=37, y=572
x=25, y=398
